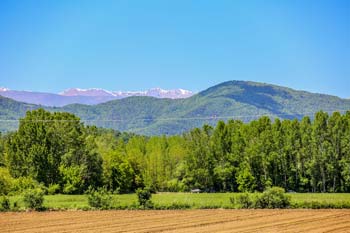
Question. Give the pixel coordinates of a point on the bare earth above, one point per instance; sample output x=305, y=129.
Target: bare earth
x=178, y=221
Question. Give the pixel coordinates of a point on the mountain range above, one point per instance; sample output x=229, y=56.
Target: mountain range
x=87, y=96
x=153, y=116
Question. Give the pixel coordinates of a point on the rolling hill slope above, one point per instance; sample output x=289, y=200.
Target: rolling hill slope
x=10, y=111
x=234, y=99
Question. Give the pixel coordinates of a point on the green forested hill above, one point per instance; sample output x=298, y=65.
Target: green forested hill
x=234, y=99
x=10, y=111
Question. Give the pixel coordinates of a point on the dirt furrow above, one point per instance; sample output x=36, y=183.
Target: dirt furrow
x=178, y=221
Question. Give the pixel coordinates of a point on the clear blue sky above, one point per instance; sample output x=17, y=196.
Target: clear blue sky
x=134, y=45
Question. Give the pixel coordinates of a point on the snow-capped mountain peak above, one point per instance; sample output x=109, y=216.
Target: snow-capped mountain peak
x=2, y=89
x=173, y=94
x=86, y=92
x=87, y=96
x=185, y=92
x=154, y=92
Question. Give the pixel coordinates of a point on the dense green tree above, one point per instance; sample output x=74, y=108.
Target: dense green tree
x=305, y=155
x=199, y=160
x=320, y=152
x=336, y=133
x=137, y=156
x=311, y=155
x=52, y=148
x=344, y=162
x=31, y=150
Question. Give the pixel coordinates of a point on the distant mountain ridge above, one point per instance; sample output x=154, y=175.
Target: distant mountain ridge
x=87, y=96
x=153, y=92
x=240, y=100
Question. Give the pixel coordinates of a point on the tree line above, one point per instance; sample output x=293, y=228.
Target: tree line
x=58, y=151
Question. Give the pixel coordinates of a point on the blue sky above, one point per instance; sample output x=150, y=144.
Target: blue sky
x=134, y=45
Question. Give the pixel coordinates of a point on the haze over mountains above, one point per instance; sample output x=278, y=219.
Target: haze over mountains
x=240, y=100
x=87, y=96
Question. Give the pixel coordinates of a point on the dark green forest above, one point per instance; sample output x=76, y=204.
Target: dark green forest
x=57, y=151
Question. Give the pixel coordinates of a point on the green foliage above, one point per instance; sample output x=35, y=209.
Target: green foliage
x=175, y=185
x=144, y=198
x=99, y=199
x=273, y=198
x=5, y=204
x=49, y=146
x=33, y=199
x=73, y=179
x=244, y=201
x=53, y=189
x=245, y=180
x=6, y=181
x=299, y=156
x=21, y=184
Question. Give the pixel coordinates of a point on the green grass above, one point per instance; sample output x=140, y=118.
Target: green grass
x=320, y=200
x=322, y=197
x=188, y=200
x=66, y=201
x=195, y=200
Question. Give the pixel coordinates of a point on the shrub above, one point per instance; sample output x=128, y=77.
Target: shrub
x=15, y=206
x=243, y=201
x=4, y=203
x=53, y=189
x=100, y=198
x=73, y=181
x=144, y=198
x=6, y=181
x=34, y=199
x=273, y=198
x=175, y=185
x=21, y=184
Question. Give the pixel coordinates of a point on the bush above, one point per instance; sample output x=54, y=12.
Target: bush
x=244, y=201
x=6, y=181
x=34, y=199
x=100, y=198
x=21, y=184
x=15, y=206
x=53, y=189
x=4, y=203
x=72, y=179
x=273, y=198
x=144, y=198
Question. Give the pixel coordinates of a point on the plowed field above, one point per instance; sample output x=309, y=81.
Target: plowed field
x=178, y=221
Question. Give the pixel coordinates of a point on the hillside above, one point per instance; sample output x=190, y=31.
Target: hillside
x=10, y=111
x=234, y=99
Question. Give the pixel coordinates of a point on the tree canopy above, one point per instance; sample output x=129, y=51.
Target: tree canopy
x=58, y=149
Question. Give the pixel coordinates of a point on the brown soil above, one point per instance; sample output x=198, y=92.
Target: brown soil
x=178, y=221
